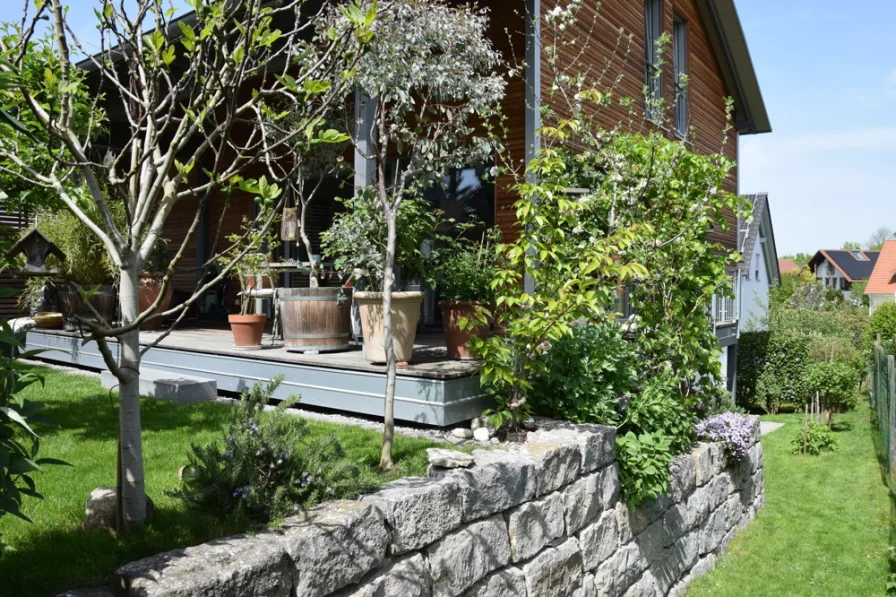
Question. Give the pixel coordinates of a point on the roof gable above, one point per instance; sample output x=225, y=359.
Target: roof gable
x=759, y=228
x=853, y=265
x=883, y=278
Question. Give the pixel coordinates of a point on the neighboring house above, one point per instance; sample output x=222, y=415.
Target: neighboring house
x=788, y=266
x=839, y=268
x=759, y=268
x=882, y=283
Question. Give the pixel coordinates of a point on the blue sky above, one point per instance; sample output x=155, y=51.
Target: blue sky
x=828, y=76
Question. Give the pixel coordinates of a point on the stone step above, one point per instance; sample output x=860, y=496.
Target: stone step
x=176, y=387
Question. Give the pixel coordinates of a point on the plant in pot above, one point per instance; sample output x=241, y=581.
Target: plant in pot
x=463, y=274
x=356, y=243
x=84, y=286
x=150, y=284
x=248, y=256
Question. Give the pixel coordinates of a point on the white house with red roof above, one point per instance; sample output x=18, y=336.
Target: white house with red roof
x=882, y=283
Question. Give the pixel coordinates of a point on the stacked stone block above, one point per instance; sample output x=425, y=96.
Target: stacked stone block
x=540, y=519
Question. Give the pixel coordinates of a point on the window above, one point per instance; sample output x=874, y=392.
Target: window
x=680, y=67
x=860, y=256
x=757, y=267
x=653, y=28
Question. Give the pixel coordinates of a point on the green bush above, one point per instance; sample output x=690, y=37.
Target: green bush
x=883, y=323
x=19, y=443
x=836, y=384
x=770, y=368
x=819, y=438
x=586, y=374
x=267, y=466
x=834, y=349
x=643, y=465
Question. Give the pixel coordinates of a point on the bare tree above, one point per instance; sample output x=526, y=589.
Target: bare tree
x=199, y=94
x=876, y=241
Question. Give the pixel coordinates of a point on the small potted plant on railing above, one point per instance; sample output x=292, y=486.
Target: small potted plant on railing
x=356, y=242
x=463, y=275
x=248, y=327
x=150, y=284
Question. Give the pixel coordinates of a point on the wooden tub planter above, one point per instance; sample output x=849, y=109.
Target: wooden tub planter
x=315, y=319
x=104, y=300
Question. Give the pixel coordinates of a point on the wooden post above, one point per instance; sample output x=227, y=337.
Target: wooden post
x=805, y=425
x=891, y=402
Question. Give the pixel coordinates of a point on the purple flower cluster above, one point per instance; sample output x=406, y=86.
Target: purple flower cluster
x=734, y=431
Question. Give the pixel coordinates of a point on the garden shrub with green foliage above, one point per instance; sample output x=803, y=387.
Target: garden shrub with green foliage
x=19, y=444
x=836, y=385
x=643, y=465
x=770, y=368
x=882, y=323
x=266, y=467
x=586, y=375
x=818, y=438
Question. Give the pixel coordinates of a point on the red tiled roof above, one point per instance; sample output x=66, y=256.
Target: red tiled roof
x=883, y=278
x=785, y=266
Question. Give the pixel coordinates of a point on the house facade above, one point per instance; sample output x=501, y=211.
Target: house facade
x=882, y=283
x=838, y=269
x=759, y=270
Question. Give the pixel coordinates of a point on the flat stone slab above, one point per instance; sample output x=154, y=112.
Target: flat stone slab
x=766, y=427
x=175, y=387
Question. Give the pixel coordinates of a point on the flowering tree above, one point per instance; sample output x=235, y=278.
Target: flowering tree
x=431, y=73
x=198, y=101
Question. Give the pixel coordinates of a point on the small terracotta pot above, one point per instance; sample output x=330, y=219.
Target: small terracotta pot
x=456, y=339
x=149, y=290
x=247, y=330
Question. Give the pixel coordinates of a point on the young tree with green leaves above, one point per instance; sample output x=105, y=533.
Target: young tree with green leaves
x=197, y=102
x=430, y=76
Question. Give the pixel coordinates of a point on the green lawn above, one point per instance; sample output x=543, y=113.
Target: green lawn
x=54, y=554
x=824, y=530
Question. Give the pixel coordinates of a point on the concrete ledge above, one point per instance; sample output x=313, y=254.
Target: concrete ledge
x=176, y=387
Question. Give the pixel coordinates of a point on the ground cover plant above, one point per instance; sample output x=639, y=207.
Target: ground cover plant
x=86, y=439
x=824, y=529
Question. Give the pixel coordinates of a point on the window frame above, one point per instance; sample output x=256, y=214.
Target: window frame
x=653, y=80
x=680, y=34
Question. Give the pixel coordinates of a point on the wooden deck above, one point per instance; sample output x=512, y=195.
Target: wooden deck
x=431, y=389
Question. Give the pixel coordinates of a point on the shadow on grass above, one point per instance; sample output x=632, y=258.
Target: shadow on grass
x=94, y=416
x=841, y=426
x=69, y=558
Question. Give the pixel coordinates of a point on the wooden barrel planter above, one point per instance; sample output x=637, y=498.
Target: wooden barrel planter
x=104, y=300
x=315, y=319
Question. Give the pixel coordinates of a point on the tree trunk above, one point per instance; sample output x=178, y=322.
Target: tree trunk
x=389, y=405
x=132, y=492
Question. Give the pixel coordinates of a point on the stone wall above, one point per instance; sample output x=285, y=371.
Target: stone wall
x=541, y=519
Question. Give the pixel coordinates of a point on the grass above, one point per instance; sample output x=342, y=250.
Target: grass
x=824, y=530
x=54, y=554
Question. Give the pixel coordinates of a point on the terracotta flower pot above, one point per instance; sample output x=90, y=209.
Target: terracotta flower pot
x=456, y=339
x=247, y=330
x=405, y=313
x=149, y=290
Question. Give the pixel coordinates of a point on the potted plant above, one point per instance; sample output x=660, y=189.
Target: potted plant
x=150, y=284
x=248, y=326
x=87, y=273
x=463, y=275
x=356, y=242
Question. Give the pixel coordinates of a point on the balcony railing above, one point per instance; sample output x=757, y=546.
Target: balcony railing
x=725, y=310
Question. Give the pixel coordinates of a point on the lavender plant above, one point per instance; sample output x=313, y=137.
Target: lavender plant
x=734, y=431
x=266, y=467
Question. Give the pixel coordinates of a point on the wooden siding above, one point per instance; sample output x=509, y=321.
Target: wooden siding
x=11, y=223
x=607, y=28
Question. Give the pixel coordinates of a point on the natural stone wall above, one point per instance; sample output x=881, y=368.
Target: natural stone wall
x=541, y=519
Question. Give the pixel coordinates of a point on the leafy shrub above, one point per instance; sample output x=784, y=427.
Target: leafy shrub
x=267, y=466
x=779, y=377
x=819, y=438
x=18, y=442
x=752, y=354
x=734, y=431
x=836, y=385
x=883, y=322
x=643, y=465
x=585, y=376
x=835, y=349
x=715, y=403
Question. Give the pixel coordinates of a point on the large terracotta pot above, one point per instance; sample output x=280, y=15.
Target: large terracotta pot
x=456, y=339
x=247, y=330
x=149, y=291
x=316, y=319
x=405, y=313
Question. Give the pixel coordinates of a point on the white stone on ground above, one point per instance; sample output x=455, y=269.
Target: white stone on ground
x=481, y=434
